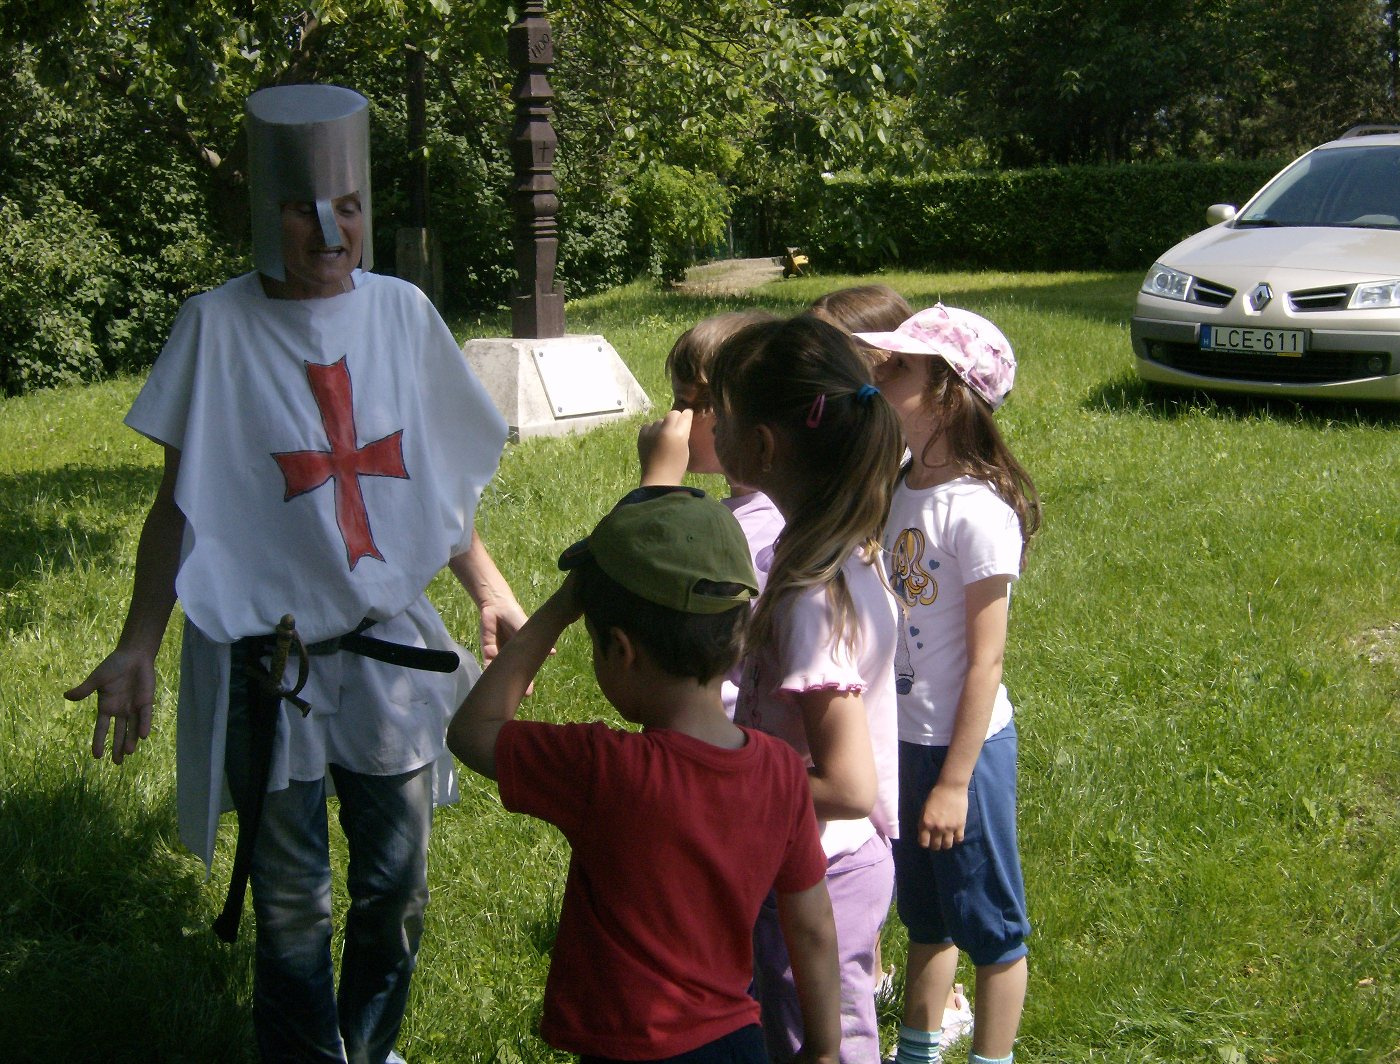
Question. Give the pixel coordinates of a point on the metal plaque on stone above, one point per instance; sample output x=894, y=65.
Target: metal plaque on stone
x=578, y=377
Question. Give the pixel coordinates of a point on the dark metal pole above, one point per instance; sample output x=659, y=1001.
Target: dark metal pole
x=537, y=309
x=417, y=140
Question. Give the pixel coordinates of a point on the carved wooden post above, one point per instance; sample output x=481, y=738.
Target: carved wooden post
x=543, y=382
x=537, y=308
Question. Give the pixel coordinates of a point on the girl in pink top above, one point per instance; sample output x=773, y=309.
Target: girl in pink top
x=797, y=418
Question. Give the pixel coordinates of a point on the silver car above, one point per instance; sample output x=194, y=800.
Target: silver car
x=1296, y=294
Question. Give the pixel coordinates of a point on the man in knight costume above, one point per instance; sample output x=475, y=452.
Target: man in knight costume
x=325, y=449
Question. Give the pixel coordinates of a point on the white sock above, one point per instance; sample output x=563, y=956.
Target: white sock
x=916, y=1046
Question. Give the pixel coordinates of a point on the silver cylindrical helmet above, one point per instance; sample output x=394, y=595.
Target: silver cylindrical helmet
x=306, y=144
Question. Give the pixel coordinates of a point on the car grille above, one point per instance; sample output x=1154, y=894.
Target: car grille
x=1334, y=298
x=1316, y=367
x=1210, y=294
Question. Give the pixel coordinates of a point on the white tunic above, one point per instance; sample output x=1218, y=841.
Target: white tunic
x=332, y=455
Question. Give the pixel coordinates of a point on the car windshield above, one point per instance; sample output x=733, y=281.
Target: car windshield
x=1351, y=186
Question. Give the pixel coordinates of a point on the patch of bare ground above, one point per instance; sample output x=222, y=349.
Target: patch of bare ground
x=1381, y=646
x=730, y=276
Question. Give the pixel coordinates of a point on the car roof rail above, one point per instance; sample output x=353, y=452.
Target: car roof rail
x=1369, y=130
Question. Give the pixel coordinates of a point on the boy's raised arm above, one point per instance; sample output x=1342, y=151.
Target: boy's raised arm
x=810, y=933
x=498, y=693
x=663, y=447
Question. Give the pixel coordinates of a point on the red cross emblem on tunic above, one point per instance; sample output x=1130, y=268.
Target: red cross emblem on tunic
x=345, y=463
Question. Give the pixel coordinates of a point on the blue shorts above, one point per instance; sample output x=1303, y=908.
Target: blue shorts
x=971, y=895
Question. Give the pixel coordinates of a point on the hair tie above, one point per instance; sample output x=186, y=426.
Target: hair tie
x=815, y=411
x=867, y=392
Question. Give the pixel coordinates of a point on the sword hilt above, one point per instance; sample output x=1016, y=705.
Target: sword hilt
x=286, y=632
x=285, y=638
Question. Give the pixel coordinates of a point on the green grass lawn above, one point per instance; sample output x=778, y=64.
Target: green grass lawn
x=1204, y=656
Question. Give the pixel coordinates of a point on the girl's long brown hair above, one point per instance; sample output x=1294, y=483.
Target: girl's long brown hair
x=806, y=381
x=863, y=308
x=976, y=446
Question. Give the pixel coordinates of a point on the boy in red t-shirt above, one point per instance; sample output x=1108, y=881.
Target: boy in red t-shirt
x=677, y=832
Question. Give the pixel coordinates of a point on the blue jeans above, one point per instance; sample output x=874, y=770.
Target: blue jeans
x=297, y=1013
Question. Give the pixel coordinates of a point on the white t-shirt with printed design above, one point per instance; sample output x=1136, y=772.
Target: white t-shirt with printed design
x=937, y=541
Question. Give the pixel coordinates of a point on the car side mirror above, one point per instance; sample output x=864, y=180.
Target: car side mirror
x=1219, y=212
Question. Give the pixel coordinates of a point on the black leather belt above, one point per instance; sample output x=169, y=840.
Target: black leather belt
x=367, y=646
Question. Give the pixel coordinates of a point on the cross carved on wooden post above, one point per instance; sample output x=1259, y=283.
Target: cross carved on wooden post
x=537, y=306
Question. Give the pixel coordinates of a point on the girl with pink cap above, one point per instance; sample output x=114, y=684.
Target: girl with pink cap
x=955, y=538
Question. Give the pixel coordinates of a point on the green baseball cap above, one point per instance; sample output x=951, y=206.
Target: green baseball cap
x=673, y=546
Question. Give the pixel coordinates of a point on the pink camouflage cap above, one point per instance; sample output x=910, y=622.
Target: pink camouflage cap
x=973, y=346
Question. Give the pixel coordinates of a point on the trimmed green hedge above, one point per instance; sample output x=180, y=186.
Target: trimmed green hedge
x=1062, y=218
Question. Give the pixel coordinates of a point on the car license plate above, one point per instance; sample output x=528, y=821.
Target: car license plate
x=1287, y=342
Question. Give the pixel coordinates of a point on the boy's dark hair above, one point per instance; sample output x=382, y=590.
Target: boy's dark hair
x=696, y=645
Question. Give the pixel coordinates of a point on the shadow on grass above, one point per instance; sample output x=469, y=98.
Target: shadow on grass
x=1128, y=394
x=541, y=931
x=673, y=309
x=37, y=522
x=1098, y=297
x=103, y=926
x=1107, y=297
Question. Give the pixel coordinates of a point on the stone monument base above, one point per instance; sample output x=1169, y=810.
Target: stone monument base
x=558, y=386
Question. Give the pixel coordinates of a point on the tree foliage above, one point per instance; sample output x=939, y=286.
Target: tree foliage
x=678, y=120
x=52, y=298
x=1102, y=81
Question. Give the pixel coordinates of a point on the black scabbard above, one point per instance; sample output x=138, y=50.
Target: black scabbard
x=263, y=702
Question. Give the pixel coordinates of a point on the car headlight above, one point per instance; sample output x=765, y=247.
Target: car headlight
x=1165, y=282
x=1375, y=296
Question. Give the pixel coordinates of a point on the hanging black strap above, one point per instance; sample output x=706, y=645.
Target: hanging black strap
x=263, y=700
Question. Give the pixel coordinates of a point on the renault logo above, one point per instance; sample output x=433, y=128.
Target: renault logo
x=1259, y=298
